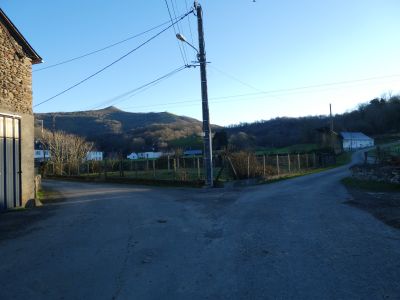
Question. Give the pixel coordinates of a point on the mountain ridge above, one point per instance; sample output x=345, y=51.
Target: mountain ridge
x=127, y=130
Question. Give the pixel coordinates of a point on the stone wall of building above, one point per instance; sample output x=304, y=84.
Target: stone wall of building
x=16, y=99
x=15, y=76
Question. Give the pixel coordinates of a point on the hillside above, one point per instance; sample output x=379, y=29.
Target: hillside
x=114, y=130
x=377, y=118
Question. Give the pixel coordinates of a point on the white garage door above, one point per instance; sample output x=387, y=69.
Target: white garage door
x=10, y=161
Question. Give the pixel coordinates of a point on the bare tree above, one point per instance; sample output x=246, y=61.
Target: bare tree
x=66, y=150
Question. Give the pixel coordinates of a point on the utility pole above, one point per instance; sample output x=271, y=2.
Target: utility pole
x=331, y=118
x=208, y=165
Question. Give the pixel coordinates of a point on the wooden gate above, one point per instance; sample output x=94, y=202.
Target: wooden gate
x=10, y=161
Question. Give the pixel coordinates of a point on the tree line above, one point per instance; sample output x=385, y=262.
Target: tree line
x=376, y=117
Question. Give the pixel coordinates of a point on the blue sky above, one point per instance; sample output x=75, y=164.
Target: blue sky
x=259, y=53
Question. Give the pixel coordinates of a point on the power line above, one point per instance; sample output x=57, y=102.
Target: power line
x=229, y=97
x=115, y=61
x=141, y=88
x=240, y=81
x=175, y=7
x=179, y=44
x=212, y=66
x=190, y=26
x=101, y=49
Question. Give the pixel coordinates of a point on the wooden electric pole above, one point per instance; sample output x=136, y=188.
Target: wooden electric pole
x=208, y=165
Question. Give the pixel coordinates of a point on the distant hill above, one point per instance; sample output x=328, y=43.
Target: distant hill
x=114, y=130
x=376, y=118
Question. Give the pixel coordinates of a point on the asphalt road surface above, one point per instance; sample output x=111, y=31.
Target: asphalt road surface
x=295, y=239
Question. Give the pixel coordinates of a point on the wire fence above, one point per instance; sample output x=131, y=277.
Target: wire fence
x=232, y=166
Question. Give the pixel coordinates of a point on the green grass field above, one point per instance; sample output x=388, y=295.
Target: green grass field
x=299, y=148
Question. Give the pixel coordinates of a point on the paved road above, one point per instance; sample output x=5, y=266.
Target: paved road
x=294, y=239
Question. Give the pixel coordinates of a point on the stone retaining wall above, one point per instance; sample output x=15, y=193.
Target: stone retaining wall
x=390, y=174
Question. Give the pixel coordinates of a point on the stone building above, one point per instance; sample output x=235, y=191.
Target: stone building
x=16, y=116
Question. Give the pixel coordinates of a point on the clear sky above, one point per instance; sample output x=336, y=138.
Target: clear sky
x=259, y=53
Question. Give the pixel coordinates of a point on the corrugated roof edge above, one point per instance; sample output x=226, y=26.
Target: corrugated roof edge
x=354, y=135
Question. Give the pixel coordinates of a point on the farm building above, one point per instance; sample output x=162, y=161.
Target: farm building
x=356, y=140
x=16, y=116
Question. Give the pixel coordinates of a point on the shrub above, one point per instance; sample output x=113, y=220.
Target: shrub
x=247, y=165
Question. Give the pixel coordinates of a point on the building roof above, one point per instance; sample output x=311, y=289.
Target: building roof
x=354, y=136
x=19, y=38
x=192, y=152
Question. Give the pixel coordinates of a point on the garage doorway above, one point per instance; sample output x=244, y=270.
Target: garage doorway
x=10, y=161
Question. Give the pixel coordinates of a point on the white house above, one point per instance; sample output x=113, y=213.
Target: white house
x=133, y=155
x=41, y=155
x=144, y=155
x=94, y=155
x=356, y=140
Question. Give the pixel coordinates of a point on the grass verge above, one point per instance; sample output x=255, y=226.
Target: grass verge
x=46, y=195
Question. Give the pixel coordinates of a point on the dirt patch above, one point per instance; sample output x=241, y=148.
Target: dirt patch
x=383, y=205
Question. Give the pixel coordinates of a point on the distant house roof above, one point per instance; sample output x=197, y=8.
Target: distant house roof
x=19, y=38
x=193, y=152
x=354, y=136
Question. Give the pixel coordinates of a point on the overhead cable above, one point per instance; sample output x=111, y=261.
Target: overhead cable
x=269, y=93
x=173, y=25
x=101, y=49
x=135, y=91
x=190, y=26
x=115, y=61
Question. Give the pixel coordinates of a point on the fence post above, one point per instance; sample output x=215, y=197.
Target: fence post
x=264, y=165
x=169, y=167
x=154, y=168
x=147, y=164
x=298, y=160
x=315, y=160
x=307, y=161
x=174, y=168
x=136, y=169
x=288, y=158
x=248, y=166
x=277, y=164
x=198, y=168
x=105, y=169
